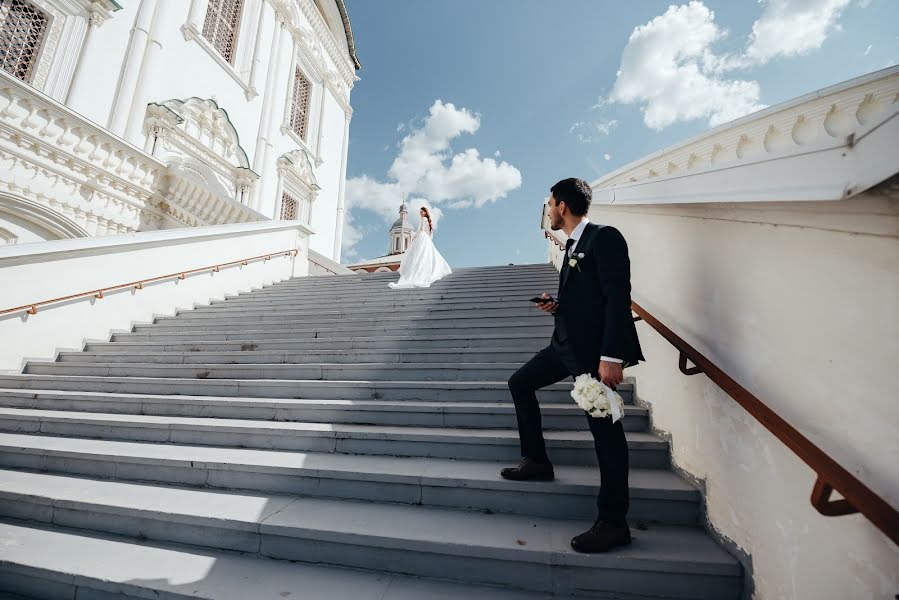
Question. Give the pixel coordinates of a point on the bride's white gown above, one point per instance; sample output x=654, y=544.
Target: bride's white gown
x=422, y=265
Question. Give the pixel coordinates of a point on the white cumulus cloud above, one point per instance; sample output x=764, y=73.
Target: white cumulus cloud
x=669, y=68
x=427, y=172
x=793, y=27
x=351, y=236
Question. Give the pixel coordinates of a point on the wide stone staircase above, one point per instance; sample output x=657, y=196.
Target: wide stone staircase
x=326, y=437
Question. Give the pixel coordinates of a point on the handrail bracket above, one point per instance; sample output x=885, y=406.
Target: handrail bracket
x=823, y=504
x=682, y=364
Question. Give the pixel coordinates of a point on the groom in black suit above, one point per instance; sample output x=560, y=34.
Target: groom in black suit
x=594, y=333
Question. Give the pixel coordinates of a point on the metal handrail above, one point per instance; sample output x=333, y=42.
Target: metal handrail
x=31, y=308
x=857, y=497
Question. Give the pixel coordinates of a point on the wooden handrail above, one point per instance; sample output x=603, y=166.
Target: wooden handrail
x=830, y=475
x=31, y=308
x=857, y=497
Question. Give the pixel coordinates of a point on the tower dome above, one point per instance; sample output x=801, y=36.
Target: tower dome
x=400, y=232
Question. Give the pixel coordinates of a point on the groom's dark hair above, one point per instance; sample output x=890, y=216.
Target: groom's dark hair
x=575, y=193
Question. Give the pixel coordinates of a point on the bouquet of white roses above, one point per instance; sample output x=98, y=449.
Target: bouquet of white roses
x=598, y=399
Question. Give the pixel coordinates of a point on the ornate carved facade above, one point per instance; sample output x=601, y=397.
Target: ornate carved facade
x=196, y=113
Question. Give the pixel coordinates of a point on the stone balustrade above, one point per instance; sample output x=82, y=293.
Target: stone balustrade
x=53, y=159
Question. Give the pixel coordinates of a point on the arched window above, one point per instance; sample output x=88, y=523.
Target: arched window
x=22, y=28
x=221, y=26
x=299, y=109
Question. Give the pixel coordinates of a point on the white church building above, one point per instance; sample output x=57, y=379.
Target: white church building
x=159, y=114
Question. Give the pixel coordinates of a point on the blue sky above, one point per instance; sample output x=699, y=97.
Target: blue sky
x=476, y=107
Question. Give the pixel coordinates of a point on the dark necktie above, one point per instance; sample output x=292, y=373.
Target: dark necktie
x=568, y=246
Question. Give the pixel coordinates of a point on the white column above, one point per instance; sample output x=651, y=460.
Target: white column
x=137, y=45
x=262, y=157
x=341, y=190
x=147, y=73
x=256, y=68
x=78, y=91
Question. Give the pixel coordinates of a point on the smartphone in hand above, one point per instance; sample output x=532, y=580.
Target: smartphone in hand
x=542, y=300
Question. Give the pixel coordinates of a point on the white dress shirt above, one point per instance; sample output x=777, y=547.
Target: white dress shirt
x=576, y=235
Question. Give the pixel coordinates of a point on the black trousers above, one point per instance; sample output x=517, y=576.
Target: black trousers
x=551, y=365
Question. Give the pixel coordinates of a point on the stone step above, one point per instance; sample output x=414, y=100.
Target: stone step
x=483, y=415
x=361, y=304
x=450, y=391
x=338, y=327
x=339, y=286
x=41, y=561
x=492, y=272
x=407, y=342
x=454, y=279
x=530, y=553
x=564, y=447
x=471, y=291
x=657, y=496
x=149, y=354
x=431, y=371
x=291, y=313
x=373, y=302
x=336, y=323
x=306, y=283
x=267, y=333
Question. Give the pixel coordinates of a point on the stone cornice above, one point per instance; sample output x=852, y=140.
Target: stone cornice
x=323, y=34
x=814, y=123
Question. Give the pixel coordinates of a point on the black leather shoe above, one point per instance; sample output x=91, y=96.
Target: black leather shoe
x=602, y=537
x=529, y=470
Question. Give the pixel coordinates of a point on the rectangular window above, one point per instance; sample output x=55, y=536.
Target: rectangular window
x=220, y=27
x=288, y=207
x=22, y=28
x=299, y=110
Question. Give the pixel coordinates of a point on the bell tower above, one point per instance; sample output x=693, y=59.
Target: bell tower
x=400, y=232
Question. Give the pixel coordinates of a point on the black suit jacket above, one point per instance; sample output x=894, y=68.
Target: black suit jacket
x=594, y=315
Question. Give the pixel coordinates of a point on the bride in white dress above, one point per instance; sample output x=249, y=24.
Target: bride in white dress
x=422, y=265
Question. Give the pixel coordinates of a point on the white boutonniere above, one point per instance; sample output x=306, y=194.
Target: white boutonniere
x=573, y=261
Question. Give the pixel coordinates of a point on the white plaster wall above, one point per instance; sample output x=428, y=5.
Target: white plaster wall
x=49, y=270
x=324, y=210
x=798, y=302
x=101, y=63
x=182, y=69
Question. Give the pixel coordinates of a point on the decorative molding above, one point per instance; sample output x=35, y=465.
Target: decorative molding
x=317, y=42
x=813, y=127
x=57, y=159
x=297, y=178
x=209, y=180
x=50, y=44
